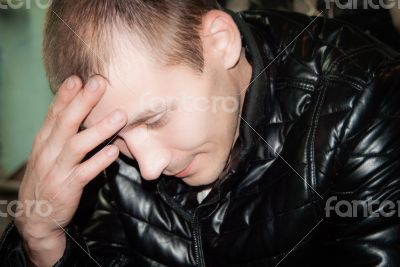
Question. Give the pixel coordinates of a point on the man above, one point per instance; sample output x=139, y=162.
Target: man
x=256, y=125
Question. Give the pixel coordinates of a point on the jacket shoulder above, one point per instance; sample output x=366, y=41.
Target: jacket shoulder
x=318, y=46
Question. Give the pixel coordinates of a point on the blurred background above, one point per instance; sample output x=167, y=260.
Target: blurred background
x=24, y=91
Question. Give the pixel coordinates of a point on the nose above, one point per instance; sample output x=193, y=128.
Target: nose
x=151, y=156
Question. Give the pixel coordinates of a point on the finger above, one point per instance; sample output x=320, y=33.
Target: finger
x=64, y=96
x=69, y=120
x=88, y=170
x=84, y=142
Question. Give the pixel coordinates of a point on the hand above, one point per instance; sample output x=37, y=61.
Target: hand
x=55, y=173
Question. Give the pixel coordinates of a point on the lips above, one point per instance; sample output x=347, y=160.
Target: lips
x=184, y=172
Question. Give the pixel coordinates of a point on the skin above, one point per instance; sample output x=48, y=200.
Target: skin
x=189, y=134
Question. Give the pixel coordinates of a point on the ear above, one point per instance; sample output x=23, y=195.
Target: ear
x=222, y=36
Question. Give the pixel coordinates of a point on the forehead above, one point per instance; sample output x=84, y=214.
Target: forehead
x=136, y=84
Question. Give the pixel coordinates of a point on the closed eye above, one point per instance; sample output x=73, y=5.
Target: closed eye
x=158, y=124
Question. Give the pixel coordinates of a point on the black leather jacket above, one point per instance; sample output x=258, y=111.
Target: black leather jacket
x=321, y=120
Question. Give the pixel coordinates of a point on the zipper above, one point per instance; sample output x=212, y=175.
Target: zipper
x=198, y=250
x=193, y=218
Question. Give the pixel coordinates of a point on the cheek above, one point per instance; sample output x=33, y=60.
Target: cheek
x=189, y=130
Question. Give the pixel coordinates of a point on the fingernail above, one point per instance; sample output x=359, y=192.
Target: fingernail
x=112, y=151
x=70, y=83
x=92, y=85
x=117, y=117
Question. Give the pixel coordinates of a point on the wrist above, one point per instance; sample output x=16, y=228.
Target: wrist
x=46, y=251
x=47, y=243
x=36, y=232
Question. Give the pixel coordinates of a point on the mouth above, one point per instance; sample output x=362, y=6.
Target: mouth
x=185, y=172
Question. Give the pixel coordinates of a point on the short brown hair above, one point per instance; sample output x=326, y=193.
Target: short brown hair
x=78, y=34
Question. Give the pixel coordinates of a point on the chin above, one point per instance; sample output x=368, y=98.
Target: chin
x=191, y=182
x=198, y=181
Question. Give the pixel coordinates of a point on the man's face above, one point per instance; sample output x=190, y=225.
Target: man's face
x=192, y=119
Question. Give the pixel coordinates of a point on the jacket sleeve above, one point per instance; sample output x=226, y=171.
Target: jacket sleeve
x=102, y=242
x=362, y=213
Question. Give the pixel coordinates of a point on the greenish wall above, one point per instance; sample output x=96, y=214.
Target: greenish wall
x=24, y=91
